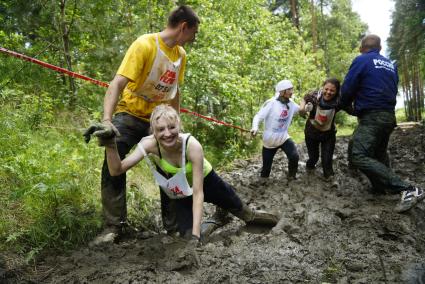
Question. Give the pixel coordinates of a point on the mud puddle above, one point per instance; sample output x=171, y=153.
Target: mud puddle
x=325, y=234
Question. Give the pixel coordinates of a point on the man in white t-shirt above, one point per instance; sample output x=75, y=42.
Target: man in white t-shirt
x=277, y=114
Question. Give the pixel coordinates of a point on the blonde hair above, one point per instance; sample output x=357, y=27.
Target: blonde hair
x=165, y=111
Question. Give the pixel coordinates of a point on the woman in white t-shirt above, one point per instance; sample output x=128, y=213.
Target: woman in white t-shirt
x=277, y=114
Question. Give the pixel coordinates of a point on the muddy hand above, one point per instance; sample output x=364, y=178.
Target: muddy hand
x=190, y=253
x=108, y=130
x=194, y=242
x=308, y=107
x=105, y=133
x=89, y=132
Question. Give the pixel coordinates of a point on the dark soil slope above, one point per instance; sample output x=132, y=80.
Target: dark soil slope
x=335, y=235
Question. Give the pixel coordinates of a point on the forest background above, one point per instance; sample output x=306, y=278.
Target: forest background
x=50, y=197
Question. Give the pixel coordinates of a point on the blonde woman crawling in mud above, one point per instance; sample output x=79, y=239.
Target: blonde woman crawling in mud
x=177, y=162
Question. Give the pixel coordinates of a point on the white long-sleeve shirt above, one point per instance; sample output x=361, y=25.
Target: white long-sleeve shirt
x=277, y=118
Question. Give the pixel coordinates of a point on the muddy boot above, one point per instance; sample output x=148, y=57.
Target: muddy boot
x=129, y=230
x=331, y=180
x=109, y=235
x=310, y=175
x=256, y=217
x=218, y=219
x=290, y=179
x=261, y=181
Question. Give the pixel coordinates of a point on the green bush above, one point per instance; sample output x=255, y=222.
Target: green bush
x=51, y=179
x=49, y=199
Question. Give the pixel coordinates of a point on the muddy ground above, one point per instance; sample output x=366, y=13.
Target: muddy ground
x=325, y=235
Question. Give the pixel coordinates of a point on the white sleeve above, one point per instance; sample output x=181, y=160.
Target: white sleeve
x=261, y=115
x=296, y=107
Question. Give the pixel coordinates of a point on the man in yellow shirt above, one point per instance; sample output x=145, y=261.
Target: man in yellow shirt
x=149, y=75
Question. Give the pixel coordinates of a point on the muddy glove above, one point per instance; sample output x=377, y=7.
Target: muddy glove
x=105, y=133
x=308, y=107
x=189, y=253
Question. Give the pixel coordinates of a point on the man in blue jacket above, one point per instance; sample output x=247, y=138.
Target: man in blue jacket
x=371, y=85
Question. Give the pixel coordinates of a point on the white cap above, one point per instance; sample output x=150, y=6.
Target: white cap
x=283, y=85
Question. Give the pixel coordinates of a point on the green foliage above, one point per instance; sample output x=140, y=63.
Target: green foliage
x=407, y=48
x=234, y=66
x=339, y=31
x=142, y=197
x=343, y=33
x=50, y=195
x=400, y=115
x=47, y=178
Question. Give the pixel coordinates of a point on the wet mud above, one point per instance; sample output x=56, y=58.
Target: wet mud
x=326, y=234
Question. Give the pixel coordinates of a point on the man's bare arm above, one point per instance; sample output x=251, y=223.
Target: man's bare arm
x=175, y=103
x=112, y=96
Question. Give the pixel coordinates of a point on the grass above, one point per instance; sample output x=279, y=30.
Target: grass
x=400, y=115
x=51, y=184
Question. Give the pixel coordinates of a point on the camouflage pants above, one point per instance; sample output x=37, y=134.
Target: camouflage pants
x=368, y=151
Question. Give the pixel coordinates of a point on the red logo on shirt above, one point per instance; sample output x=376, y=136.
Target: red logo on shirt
x=284, y=113
x=322, y=118
x=176, y=190
x=168, y=77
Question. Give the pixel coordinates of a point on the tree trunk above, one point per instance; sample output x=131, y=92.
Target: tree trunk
x=414, y=92
x=313, y=25
x=294, y=13
x=66, y=50
x=406, y=86
x=421, y=93
x=417, y=89
x=324, y=39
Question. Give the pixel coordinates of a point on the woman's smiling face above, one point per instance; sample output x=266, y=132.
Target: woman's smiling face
x=166, y=131
x=328, y=91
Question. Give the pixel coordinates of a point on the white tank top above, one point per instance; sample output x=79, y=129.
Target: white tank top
x=177, y=186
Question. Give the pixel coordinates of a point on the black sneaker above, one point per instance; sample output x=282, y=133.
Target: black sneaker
x=420, y=193
x=409, y=198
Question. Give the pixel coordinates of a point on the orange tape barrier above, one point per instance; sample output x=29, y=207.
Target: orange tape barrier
x=102, y=84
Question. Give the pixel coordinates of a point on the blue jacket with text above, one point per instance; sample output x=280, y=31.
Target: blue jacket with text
x=371, y=82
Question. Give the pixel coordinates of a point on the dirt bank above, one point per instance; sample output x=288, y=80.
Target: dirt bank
x=343, y=235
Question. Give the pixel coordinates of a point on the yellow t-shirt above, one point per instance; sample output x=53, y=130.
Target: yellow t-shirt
x=136, y=65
